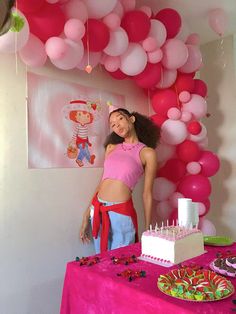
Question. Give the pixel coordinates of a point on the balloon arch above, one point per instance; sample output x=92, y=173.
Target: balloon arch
x=153, y=50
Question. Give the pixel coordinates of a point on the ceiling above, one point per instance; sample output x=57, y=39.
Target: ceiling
x=194, y=13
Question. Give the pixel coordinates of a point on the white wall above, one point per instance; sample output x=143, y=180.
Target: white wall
x=219, y=72
x=41, y=210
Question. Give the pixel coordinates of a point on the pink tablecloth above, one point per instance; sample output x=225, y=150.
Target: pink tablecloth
x=98, y=290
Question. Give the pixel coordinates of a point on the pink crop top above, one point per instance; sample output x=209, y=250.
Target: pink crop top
x=124, y=164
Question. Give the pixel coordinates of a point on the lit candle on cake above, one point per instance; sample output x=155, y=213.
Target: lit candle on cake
x=167, y=223
x=173, y=222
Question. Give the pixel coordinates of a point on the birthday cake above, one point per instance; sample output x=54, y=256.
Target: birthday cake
x=171, y=244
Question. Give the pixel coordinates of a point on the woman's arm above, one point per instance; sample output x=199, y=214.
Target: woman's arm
x=149, y=156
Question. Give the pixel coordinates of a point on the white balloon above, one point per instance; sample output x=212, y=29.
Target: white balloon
x=118, y=43
x=163, y=189
x=134, y=60
x=158, y=31
x=173, y=132
x=99, y=8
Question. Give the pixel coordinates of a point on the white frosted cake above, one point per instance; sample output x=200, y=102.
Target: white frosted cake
x=173, y=244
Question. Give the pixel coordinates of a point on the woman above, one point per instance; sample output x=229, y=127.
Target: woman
x=130, y=151
x=5, y=15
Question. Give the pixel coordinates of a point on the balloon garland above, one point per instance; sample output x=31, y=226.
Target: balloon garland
x=150, y=49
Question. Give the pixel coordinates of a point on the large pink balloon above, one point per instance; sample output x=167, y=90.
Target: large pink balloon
x=165, y=152
x=210, y=163
x=150, y=76
x=163, y=100
x=74, y=29
x=93, y=59
x=76, y=9
x=134, y=60
x=118, y=42
x=197, y=106
x=173, y=132
x=33, y=53
x=47, y=22
x=158, y=31
x=197, y=187
x=162, y=189
x=217, y=20
x=171, y=19
x=194, y=60
x=99, y=9
x=29, y=6
x=175, y=54
x=168, y=78
x=55, y=48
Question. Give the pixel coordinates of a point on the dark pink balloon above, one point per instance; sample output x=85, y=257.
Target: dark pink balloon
x=118, y=75
x=173, y=170
x=96, y=36
x=172, y=21
x=48, y=22
x=163, y=100
x=200, y=88
x=29, y=6
x=150, y=76
x=197, y=187
x=184, y=82
x=210, y=163
x=188, y=151
x=194, y=127
x=158, y=119
x=207, y=204
x=136, y=24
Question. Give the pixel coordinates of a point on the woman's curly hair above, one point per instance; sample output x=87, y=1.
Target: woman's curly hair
x=147, y=131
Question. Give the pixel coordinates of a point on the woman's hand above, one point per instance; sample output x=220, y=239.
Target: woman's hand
x=85, y=230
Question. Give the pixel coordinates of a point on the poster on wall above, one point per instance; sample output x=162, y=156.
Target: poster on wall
x=67, y=123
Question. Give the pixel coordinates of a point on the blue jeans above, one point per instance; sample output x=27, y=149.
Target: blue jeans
x=122, y=231
x=83, y=152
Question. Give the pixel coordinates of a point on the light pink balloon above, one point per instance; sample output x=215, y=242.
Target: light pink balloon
x=118, y=9
x=72, y=57
x=74, y=29
x=76, y=9
x=174, y=199
x=147, y=10
x=175, y=54
x=173, y=132
x=200, y=136
x=163, y=189
x=112, y=21
x=217, y=20
x=118, y=43
x=184, y=96
x=12, y=42
x=149, y=44
x=193, y=39
x=207, y=227
x=197, y=106
x=155, y=56
x=186, y=116
x=164, y=210
x=165, y=152
x=201, y=208
x=168, y=78
x=33, y=54
x=99, y=9
x=93, y=60
x=134, y=60
x=128, y=5
x=112, y=64
x=174, y=113
x=194, y=60
x=158, y=31
x=193, y=167
x=56, y=48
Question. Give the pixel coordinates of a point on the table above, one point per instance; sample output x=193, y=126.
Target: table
x=98, y=290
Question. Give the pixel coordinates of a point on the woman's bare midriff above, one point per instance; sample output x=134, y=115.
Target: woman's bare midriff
x=114, y=191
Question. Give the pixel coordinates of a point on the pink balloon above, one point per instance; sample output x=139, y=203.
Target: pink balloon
x=210, y=163
x=112, y=64
x=147, y=10
x=72, y=57
x=193, y=167
x=175, y=54
x=173, y=132
x=55, y=48
x=149, y=44
x=29, y=6
x=171, y=19
x=93, y=59
x=134, y=60
x=200, y=88
x=163, y=210
x=158, y=119
x=174, y=113
x=158, y=31
x=163, y=100
x=76, y=9
x=118, y=43
x=155, y=56
x=112, y=21
x=74, y=29
x=128, y=5
x=207, y=227
x=197, y=187
x=165, y=152
x=150, y=76
x=174, y=199
x=193, y=39
x=33, y=54
x=197, y=106
x=162, y=189
x=99, y=9
x=118, y=9
x=186, y=116
x=200, y=136
x=201, y=209
x=184, y=96
x=217, y=20
x=193, y=61
x=168, y=78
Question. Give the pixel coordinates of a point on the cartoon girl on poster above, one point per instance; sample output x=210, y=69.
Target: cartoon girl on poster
x=80, y=143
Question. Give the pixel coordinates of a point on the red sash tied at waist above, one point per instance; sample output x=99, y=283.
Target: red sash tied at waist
x=126, y=208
